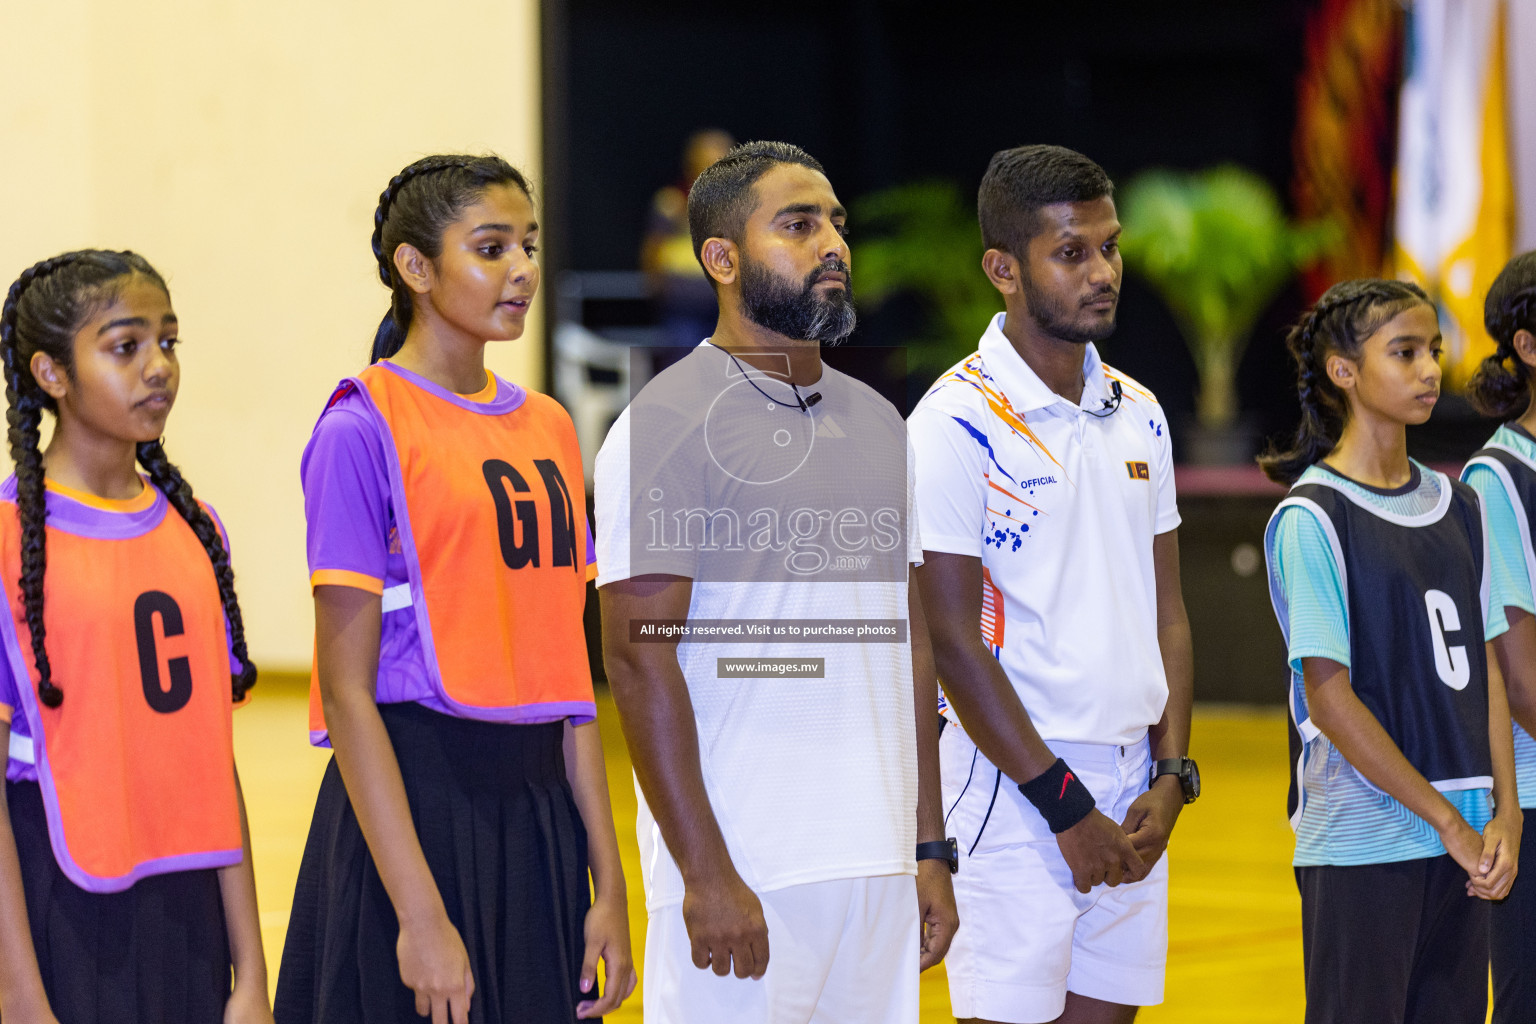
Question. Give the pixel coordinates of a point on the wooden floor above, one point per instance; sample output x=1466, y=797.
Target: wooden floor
x=1235, y=951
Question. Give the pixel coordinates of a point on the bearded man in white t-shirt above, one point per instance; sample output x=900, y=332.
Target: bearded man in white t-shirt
x=1051, y=578
x=770, y=663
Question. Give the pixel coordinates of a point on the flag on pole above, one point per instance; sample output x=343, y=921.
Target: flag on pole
x=1346, y=137
x=1454, y=216
x=1520, y=38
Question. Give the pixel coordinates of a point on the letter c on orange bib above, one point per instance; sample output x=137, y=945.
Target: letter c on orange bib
x=137, y=765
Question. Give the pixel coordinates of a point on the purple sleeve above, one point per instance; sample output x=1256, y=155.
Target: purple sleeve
x=591, y=544
x=10, y=700
x=346, y=494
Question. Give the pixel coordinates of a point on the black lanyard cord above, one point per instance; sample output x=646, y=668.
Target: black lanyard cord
x=802, y=403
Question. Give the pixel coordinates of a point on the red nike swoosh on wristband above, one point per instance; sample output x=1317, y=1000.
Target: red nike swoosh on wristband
x=1064, y=780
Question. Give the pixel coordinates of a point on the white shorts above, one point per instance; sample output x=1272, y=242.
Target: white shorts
x=839, y=952
x=1027, y=937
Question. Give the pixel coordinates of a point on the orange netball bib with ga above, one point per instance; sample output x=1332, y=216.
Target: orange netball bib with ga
x=491, y=515
x=137, y=765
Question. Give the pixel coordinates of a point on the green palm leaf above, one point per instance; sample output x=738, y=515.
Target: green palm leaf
x=923, y=238
x=1217, y=247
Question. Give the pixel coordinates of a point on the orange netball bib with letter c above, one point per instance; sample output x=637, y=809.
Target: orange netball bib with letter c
x=137, y=765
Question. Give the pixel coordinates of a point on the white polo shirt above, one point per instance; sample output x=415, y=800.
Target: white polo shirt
x=1061, y=507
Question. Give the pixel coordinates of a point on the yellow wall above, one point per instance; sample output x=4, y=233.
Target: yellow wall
x=241, y=148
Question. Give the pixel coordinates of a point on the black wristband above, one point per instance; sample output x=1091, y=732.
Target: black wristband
x=1061, y=799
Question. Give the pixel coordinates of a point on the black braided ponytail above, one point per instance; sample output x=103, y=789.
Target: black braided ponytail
x=1501, y=387
x=1346, y=315
x=164, y=474
x=43, y=310
x=46, y=318
x=414, y=209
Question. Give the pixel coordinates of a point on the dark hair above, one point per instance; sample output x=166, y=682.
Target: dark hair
x=1496, y=389
x=1021, y=180
x=1345, y=316
x=44, y=309
x=415, y=209
x=721, y=200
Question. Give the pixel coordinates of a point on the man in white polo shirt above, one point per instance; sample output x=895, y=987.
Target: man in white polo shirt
x=1051, y=582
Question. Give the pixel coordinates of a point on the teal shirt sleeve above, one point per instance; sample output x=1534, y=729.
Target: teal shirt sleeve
x=1309, y=580
x=1510, y=582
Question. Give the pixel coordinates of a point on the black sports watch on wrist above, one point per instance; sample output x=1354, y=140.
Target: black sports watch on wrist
x=1187, y=771
x=941, y=849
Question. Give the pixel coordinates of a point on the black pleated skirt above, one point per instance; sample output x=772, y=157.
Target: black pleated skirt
x=155, y=952
x=505, y=843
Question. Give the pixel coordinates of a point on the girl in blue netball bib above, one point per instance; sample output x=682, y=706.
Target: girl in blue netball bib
x=1504, y=474
x=1403, y=788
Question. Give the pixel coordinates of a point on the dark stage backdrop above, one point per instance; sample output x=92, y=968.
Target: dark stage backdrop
x=885, y=93
x=890, y=92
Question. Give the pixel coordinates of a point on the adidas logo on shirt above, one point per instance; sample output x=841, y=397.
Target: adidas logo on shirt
x=828, y=428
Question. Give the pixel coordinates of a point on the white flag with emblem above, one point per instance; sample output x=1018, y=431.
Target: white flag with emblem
x=1454, y=215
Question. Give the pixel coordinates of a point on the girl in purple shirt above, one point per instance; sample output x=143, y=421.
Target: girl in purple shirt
x=466, y=805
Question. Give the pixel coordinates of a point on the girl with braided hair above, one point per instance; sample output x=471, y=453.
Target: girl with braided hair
x=466, y=805
x=1403, y=791
x=126, y=891
x=1504, y=474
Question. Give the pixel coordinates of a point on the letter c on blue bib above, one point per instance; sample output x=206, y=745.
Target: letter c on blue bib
x=1450, y=662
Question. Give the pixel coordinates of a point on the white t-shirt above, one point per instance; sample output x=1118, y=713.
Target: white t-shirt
x=1061, y=507
x=811, y=779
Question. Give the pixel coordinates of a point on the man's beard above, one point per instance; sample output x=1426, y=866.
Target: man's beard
x=802, y=314
x=1054, y=318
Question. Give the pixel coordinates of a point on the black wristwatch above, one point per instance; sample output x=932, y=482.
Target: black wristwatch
x=941, y=849
x=1187, y=771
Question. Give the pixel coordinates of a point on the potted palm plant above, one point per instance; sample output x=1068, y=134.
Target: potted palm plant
x=1217, y=247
